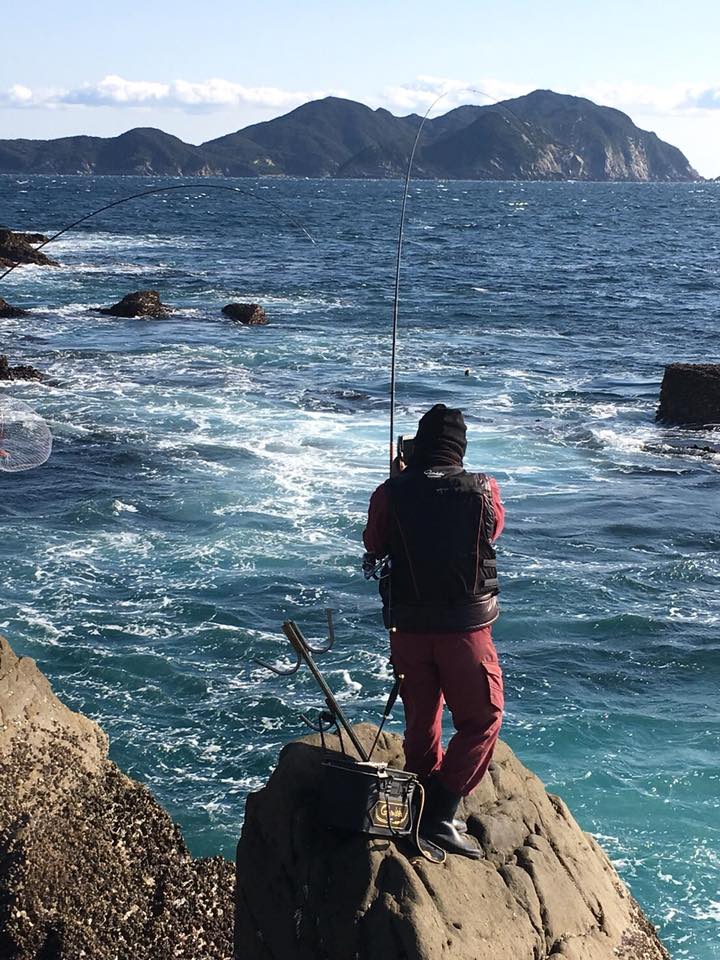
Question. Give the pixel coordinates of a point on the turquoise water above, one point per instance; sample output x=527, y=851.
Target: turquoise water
x=208, y=481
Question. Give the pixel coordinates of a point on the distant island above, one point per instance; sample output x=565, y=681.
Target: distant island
x=540, y=136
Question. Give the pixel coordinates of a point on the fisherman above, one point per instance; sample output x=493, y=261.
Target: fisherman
x=436, y=525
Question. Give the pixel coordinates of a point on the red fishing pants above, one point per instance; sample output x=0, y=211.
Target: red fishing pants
x=462, y=670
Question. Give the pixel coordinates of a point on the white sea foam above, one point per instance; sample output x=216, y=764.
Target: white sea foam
x=120, y=507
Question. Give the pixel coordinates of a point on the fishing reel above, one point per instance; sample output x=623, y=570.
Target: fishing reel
x=374, y=568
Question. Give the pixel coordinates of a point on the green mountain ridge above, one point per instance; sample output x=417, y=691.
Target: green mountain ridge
x=540, y=136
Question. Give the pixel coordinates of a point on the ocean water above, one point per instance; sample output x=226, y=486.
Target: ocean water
x=209, y=481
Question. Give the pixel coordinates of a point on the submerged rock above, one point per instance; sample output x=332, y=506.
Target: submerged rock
x=20, y=372
x=142, y=303
x=90, y=864
x=690, y=394
x=544, y=890
x=16, y=248
x=8, y=312
x=250, y=314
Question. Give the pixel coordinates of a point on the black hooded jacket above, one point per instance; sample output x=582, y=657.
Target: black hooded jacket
x=442, y=574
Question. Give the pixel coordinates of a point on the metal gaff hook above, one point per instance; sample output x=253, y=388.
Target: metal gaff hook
x=303, y=651
x=328, y=645
x=280, y=671
x=293, y=640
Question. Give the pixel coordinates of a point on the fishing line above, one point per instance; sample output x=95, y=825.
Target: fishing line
x=401, y=232
x=396, y=297
x=176, y=186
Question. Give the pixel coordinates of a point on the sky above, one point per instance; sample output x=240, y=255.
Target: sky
x=203, y=69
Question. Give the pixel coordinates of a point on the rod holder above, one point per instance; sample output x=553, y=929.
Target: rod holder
x=328, y=645
x=304, y=654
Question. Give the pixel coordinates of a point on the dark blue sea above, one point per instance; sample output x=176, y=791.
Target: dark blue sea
x=209, y=481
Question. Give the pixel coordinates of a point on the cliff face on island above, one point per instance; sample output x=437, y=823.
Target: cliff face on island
x=92, y=868
x=541, y=136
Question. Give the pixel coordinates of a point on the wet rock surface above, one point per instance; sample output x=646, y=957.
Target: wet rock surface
x=544, y=890
x=90, y=865
x=9, y=312
x=33, y=238
x=249, y=314
x=19, y=372
x=141, y=303
x=17, y=248
x=690, y=394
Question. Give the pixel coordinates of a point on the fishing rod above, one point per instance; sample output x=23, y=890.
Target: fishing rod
x=401, y=234
x=374, y=568
x=176, y=186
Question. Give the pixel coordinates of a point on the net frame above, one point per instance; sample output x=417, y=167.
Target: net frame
x=25, y=438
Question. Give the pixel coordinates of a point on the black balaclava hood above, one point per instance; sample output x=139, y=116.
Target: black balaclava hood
x=440, y=440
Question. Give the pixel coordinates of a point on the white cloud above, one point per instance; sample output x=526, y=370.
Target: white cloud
x=216, y=93
x=662, y=101
x=17, y=95
x=425, y=90
x=114, y=91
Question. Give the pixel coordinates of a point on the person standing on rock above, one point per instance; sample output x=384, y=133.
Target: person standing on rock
x=436, y=524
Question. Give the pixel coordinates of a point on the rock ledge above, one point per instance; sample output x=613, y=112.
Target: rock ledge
x=90, y=865
x=9, y=312
x=21, y=371
x=17, y=248
x=690, y=394
x=545, y=890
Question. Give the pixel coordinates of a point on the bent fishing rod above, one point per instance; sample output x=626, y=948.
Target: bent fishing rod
x=401, y=234
x=175, y=186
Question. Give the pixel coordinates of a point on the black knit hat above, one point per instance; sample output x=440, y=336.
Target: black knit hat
x=441, y=438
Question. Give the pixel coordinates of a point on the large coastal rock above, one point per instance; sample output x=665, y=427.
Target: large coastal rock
x=690, y=394
x=91, y=867
x=249, y=314
x=9, y=312
x=16, y=248
x=22, y=371
x=544, y=890
x=141, y=303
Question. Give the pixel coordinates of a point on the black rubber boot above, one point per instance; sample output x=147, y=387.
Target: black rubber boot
x=459, y=824
x=437, y=824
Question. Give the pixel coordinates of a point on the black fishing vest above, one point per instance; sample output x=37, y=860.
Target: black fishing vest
x=443, y=577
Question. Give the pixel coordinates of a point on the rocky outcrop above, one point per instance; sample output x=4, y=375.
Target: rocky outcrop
x=544, y=890
x=90, y=865
x=32, y=237
x=19, y=372
x=249, y=314
x=142, y=303
x=8, y=312
x=15, y=248
x=690, y=394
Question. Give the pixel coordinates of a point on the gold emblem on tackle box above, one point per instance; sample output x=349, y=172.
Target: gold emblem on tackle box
x=390, y=813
